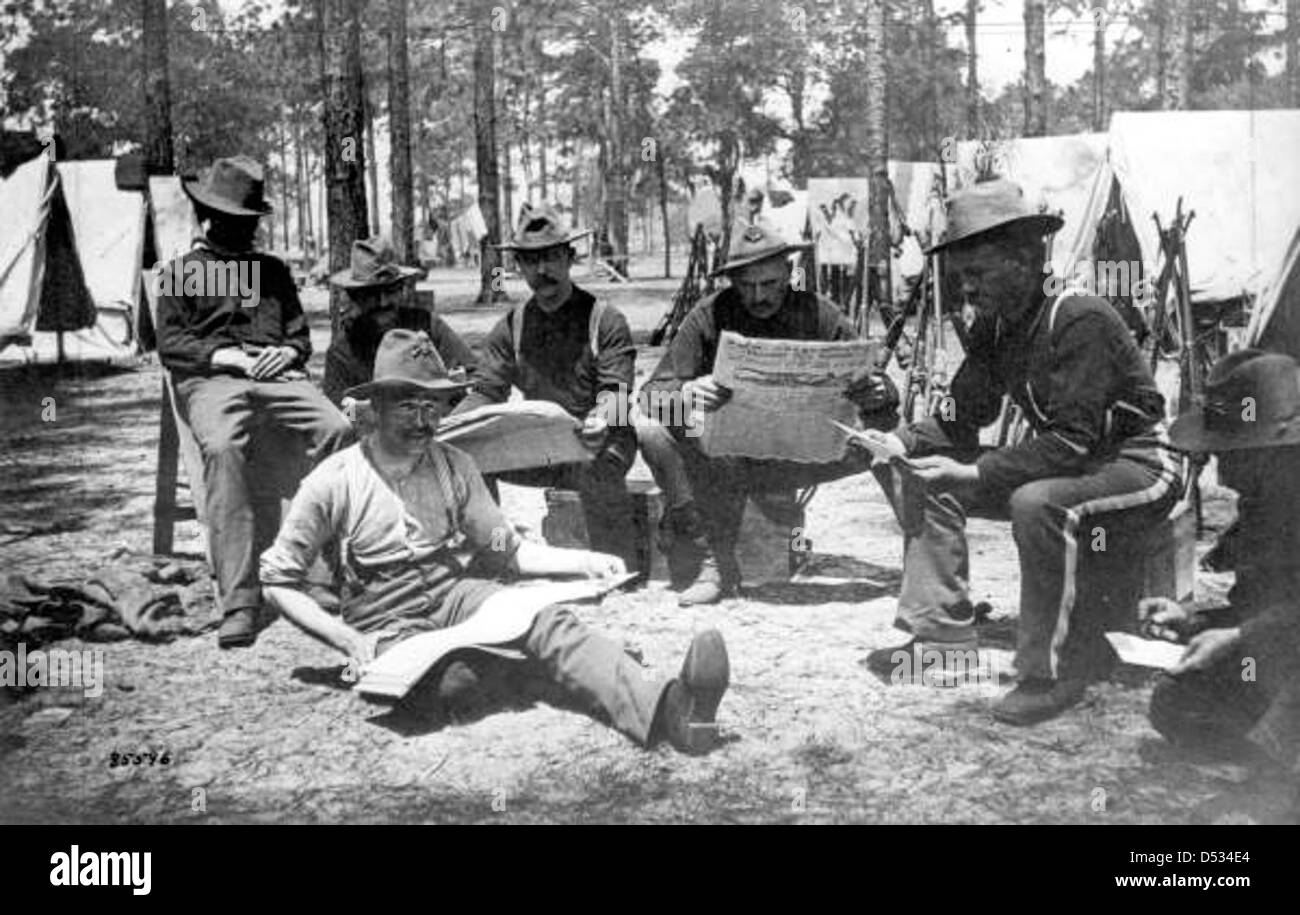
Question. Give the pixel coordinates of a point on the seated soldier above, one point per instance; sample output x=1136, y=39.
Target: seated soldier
x=402, y=510
x=1099, y=457
x=704, y=497
x=238, y=351
x=380, y=296
x=1241, y=677
x=563, y=346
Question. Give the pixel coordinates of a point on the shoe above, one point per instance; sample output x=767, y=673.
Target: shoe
x=688, y=712
x=929, y=663
x=683, y=544
x=239, y=628
x=715, y=581
x=1034, y=700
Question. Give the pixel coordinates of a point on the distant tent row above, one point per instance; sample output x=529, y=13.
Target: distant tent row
x=70, y=258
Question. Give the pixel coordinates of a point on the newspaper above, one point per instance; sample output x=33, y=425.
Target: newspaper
x=515, y=435
x=504, y=617
x=782, y=394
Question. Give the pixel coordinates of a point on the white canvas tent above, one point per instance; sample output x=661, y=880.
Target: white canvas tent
x=60, y=300
x=1238, y=170
x=1056, y=174
x=1275, y=319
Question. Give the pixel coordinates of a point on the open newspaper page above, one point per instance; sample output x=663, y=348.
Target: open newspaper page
x=515, y=435
x=783, y=392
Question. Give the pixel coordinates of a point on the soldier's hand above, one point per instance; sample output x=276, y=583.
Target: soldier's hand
x=1206, y=649
x=232, y=357
x=871, y=390
x=705, y=394
x=594, y=432
x=603, y=565
x=271, y=361
x=1162, y=618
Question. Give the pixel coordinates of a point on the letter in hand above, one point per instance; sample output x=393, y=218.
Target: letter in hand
x=704, y=393
x=1206, y=649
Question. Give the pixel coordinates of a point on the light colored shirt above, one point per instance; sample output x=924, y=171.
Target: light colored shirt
x=377, y=521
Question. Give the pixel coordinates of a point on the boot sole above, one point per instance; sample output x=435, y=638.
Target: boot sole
x=706, y=674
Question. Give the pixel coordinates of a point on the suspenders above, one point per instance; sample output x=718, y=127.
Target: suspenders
x=593, y=327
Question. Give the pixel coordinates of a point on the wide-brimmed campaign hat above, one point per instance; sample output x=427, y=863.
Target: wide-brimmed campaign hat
x=988, y=205
x=1252, y=400
x=541, y=228
x=374, y=263
x=756, y=243
x=407, y=360
x=233, y=186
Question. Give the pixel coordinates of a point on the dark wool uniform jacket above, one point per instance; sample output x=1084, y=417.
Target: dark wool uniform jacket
x=556, y=362
x=192, y=327
x=1075, y=371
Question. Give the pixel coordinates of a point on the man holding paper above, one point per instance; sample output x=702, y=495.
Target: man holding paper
x=564, y=346
x=418, y=543
x=705, y=494
x=1099, y=458
x=1240, y=676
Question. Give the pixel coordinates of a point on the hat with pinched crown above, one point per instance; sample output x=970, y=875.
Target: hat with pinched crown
x=234, y=186
x=541, y=228
x=1251, y=400
x=407, y=359
x=374, y=263
x=756, y=243
x=988, y=205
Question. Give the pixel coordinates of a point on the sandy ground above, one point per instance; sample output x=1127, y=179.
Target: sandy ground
x=270, y=735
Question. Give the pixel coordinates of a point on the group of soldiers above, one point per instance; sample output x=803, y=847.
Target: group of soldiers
x=415, y=539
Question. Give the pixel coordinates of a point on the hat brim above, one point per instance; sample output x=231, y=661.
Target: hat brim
x=370, y=388
x=195, y=192
x=344, y=280
x=784, y=251
x=1188, y=433
x=1048, y=223
x=572, y=237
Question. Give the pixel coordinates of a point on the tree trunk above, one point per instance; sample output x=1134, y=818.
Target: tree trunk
x=507, y=188
x=929, y=44
x=1293, y=52
x=158, y=154
x=1035, y=68
x=1160, y=11
x=300, y=210
x=543, y=186
x=485, y=154
x=663, y=215
x=399, y=135
x=372, y=161
x=1099, y=66
x=344, y=121
x=616, y=189
x=1178, y=37
x=972, y=73
x=284, y=185
x=877, y=151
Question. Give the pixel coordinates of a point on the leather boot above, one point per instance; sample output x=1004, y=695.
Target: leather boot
x=719, y=577
x=683, y=544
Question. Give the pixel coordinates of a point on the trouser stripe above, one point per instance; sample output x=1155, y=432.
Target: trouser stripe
x=1166, y=481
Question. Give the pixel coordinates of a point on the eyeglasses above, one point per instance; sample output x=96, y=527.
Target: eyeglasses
x=411, y=410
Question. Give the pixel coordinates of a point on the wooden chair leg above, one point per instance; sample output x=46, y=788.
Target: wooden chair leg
x=164, y=497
